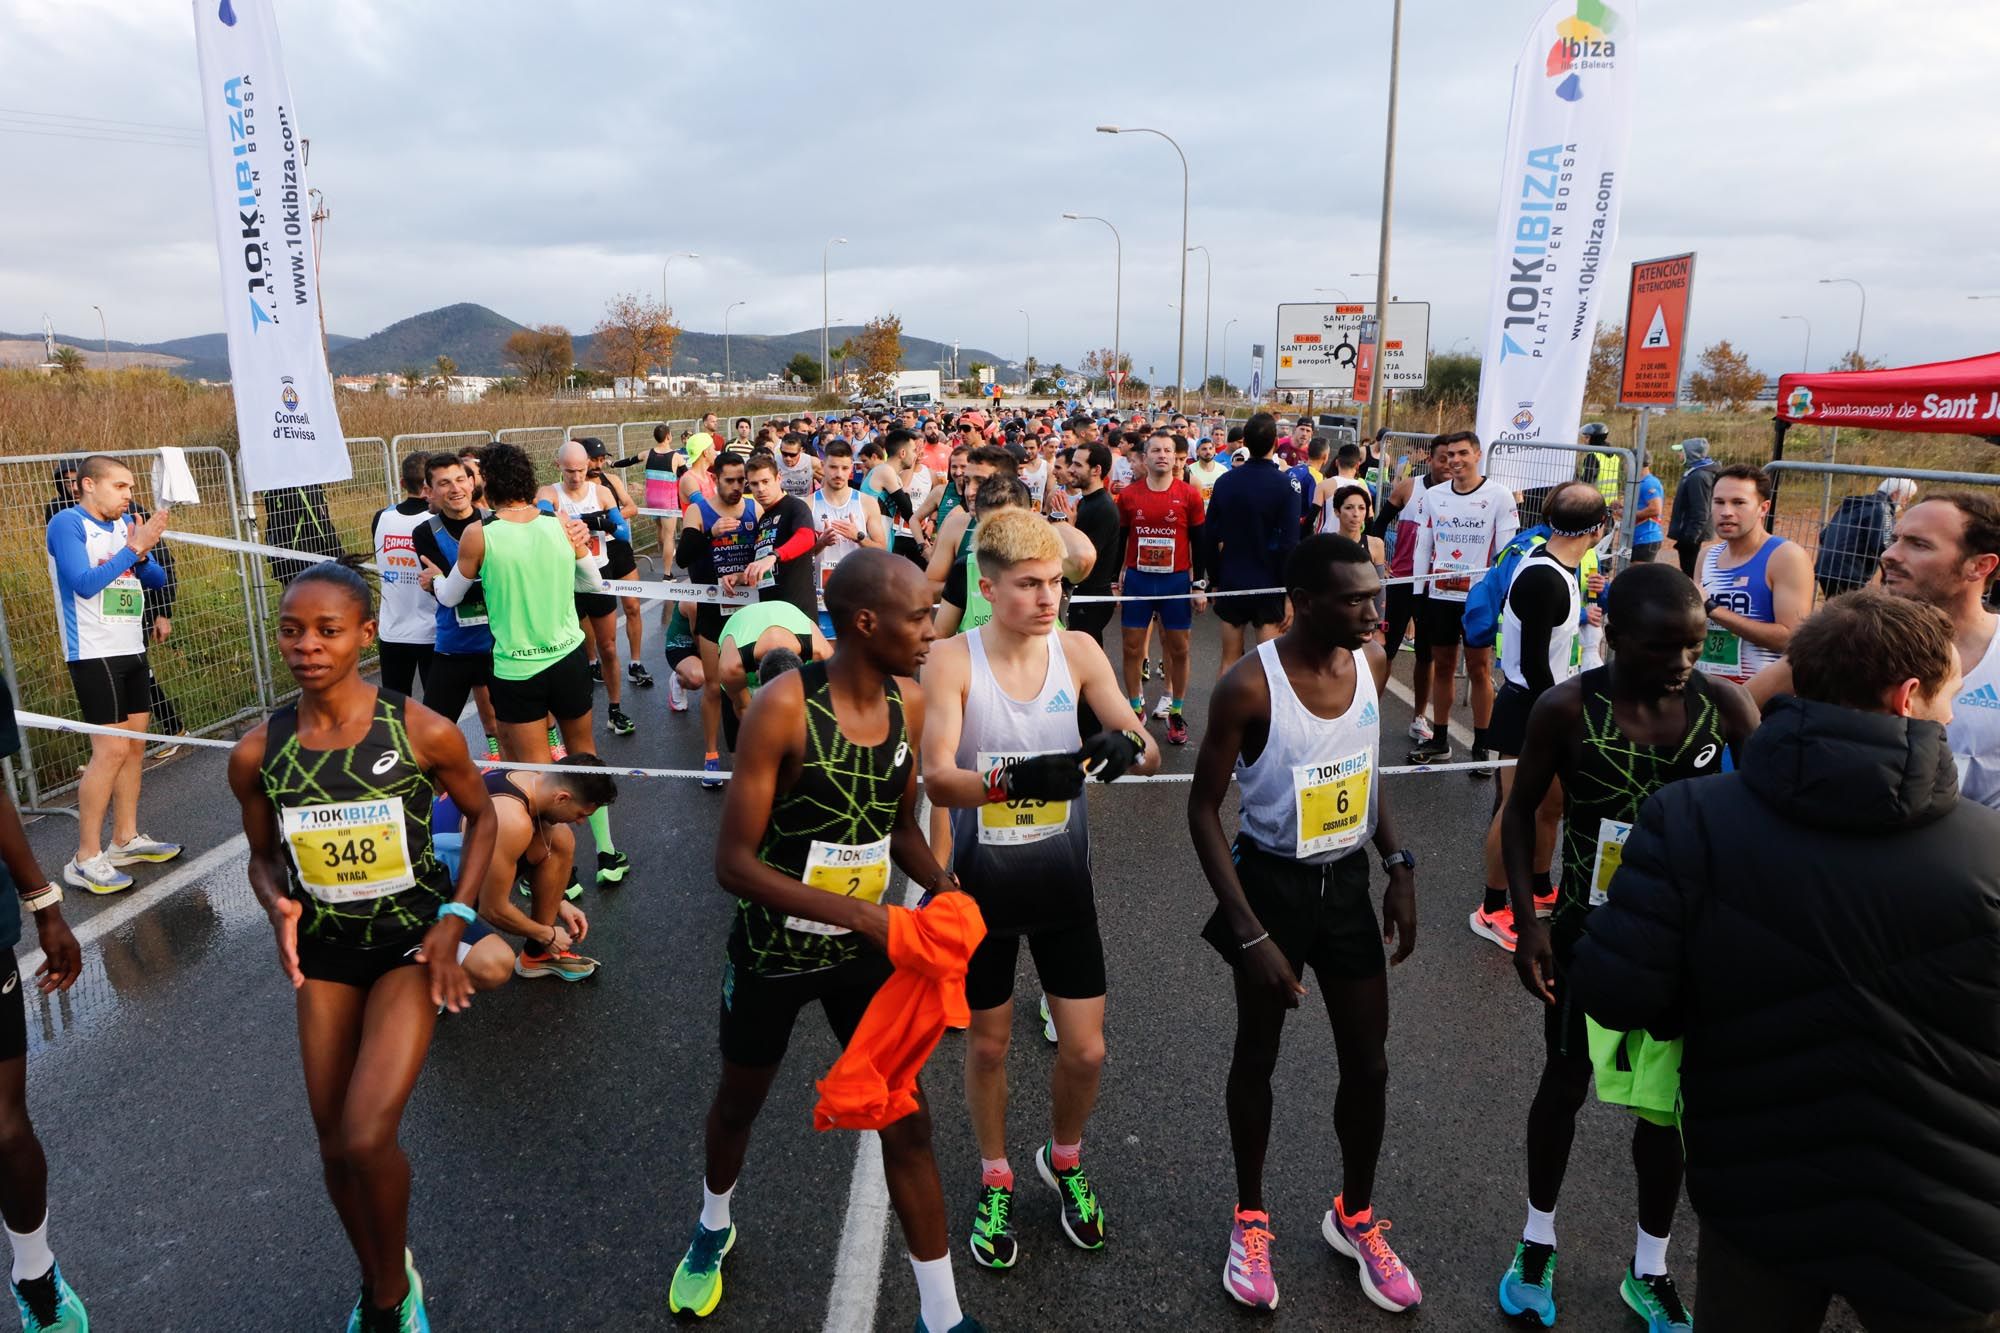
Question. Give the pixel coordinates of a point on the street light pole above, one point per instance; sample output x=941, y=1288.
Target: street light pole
x=1028, y=363
x=728, y=367
x=1117, y=299
x=1805, y=360
x=664, y=308
x=1225, y=352
x=1180, y=353
x=104, y=333
x=1207, y=307
x=1388, y=201
x=1335, y=290
x=1859, y=319
x=825, y=250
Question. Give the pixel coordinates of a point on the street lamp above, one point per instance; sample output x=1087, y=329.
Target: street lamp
x=1859, y=319
x=104, y=334
x=1805, y=359
x=1180, y=354
x=678, y=254
x=825, y=250
x=1335, y=290
x=1375, y=381
x=1207, y=306
x=728, y=368
x=1027, y=365
x=1117, y=296
x=1225, y=352
x=1991, y=296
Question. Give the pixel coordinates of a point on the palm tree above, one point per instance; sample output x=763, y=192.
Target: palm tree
x=413, y=379
x=68, y=363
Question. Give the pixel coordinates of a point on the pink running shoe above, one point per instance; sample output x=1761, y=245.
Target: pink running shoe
x=1383, y=1278
x=1247, y=1276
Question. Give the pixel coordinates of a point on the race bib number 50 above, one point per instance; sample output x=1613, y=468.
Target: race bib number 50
x=1014, y=823
x=851, y=870
x=1332, y=803
x=348, y=852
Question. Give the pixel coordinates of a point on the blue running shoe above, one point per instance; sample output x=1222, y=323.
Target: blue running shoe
x=48, y=1305
x=712, y=764
x=1528, y=1287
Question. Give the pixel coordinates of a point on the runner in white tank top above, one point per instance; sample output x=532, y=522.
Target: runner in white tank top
x=1299, y=723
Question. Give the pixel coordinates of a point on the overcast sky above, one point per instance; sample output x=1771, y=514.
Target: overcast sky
x=539, y=158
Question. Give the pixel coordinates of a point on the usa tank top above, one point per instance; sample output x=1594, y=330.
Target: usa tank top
x=1309, y=795
x=1746, y=590
x=829, y=830
x=355, y=824
x=1613, y=778
x=1027, y=863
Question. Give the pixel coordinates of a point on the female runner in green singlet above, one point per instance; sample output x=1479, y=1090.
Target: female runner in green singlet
x=336, y=791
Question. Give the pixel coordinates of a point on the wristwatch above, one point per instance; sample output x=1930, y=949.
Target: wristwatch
x=1710, y=605
x=1400, y=858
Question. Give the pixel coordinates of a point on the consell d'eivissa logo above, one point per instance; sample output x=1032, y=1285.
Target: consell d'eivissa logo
x=1800, y=404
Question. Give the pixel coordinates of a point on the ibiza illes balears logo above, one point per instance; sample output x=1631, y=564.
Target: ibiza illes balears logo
x=227, y=13
x=1583, y=42
x=1800, y=403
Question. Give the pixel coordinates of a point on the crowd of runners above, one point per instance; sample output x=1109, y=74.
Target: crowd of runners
x=1743, y=848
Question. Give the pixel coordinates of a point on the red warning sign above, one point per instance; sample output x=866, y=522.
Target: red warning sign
x=1656, y=311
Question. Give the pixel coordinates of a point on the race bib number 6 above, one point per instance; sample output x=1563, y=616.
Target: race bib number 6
x=1332, y=803
x=1013, y=823
x=348, y=852
x=851, y=870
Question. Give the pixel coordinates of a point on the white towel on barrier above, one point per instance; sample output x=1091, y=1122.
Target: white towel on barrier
x=173, y=483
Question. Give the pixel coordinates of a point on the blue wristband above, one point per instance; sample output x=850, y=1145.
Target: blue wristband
x=459, y=910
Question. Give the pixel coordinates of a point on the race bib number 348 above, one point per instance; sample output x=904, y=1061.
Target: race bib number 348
x=350, y=851
x=1332, y=803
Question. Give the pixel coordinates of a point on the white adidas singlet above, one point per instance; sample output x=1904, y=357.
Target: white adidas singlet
x=1974, y=733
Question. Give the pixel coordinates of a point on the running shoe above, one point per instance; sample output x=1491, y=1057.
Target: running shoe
x=1162, y=709
x=1145, y=669
x=1177, y=728
x=711, y=765
x=1384, y=1280
x=49, y=1305
x=1048, y=1022
x=992, y=1237
x=597, y=672
x=97, y=874
x=638, y=675
x=142, y=848
x=357, y=1321
x=965, y=1325
x=676, y=696
x=562, y=965
x=1082, y=1215
x=1654, y=1299
x=1436, y=750
x=697, y=1284
x=612, y=867
x=1496, y=926
x=557, y=750
x=1545, y=904
x=1247, y=1276
x=492, y=747
x=621, y=725
x=1420, y=729
x=1479, y=755
x=1528, y=1287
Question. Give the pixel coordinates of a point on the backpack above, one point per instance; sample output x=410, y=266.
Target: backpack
x=1488, y=598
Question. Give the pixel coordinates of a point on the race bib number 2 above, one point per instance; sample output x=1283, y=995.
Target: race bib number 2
x=1611, y=835
x=1014, y=823
x=853, y=871
x=1332, y=803
x=348, y=852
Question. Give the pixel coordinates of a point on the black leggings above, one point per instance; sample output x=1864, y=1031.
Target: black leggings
x=402, y=664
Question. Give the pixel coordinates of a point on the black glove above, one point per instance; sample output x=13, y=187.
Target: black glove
x=599, y=520
x=1042, y=777
x=1109, y=755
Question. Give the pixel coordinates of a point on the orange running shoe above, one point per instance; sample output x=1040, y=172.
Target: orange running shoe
x=1496, y=926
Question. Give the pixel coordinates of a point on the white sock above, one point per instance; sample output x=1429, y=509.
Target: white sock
x=1541, y=1228
x=32, y=1256
x=715, y=1208
x=937, y=1294
x=1649, y=1254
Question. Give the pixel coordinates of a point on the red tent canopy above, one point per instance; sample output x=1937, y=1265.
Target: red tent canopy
x=1944, y=397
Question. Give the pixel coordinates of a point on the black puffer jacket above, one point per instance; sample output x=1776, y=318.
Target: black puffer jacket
x=1824, y=928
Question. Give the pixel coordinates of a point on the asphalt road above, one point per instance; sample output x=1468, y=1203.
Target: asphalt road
x=556, y=1133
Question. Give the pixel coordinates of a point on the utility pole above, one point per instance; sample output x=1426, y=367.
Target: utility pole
x=1388, y=201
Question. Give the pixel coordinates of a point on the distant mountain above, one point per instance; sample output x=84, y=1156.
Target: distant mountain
x=205, y=356
x=475, y=338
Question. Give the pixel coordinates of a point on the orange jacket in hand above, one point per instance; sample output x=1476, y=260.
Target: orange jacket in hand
x=874, y=1082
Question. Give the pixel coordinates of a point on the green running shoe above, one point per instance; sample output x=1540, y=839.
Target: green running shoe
x=612, y=867
x=1082, y=1215
x=48, y=1305
x=697, y=1285
x=357, y=1322
x=992, y=1236
x=1528, y=1287
x=1654, y=1299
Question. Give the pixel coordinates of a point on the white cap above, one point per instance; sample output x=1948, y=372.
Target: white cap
x=1900, y=490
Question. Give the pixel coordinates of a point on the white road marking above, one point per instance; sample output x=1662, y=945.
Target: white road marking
x=138, y=900
x=1402, y=691
x=857, y=1269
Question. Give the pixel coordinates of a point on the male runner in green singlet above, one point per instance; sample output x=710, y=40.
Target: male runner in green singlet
x=1612, y=737
x=826, y=774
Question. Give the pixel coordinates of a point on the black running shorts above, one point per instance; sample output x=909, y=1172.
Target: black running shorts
x=758, y=1011
x=13, y=1008
x=1564, y=1036
x=560, y=690
x=1069, y=960
x=1264, y=608
x=1440, y=623
x=451, y=679
x=360, y=968
x=111, y=689
x=1509, y=729
x=1320, y=916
